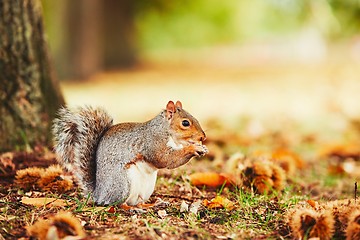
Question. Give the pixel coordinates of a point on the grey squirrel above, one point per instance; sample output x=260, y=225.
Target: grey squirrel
x=119, y=163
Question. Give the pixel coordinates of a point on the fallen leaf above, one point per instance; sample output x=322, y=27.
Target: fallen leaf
x=39, y=202
x=6, y=160
x=336, y=169
x=162, y=213
x=219, y=202
x=93, y=209
x=211, y=179
x=184, y=207
x=194, y=207
x=312, y=203
x=111, y=210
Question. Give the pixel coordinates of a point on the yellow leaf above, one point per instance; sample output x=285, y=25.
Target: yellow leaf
x=219, y=202
x=39, y=202
x=312, y=203
x=93, y=209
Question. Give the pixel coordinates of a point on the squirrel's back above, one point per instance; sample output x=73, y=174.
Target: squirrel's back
x=76, y=134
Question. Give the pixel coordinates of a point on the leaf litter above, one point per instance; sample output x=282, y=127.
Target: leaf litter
x=238, y=198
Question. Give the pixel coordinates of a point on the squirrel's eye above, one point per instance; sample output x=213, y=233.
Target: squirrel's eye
x=185, y=123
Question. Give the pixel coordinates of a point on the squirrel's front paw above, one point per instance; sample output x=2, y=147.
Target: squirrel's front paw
x=200, y=150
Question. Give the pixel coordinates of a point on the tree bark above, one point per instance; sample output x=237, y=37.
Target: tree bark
x=89, y=36
x=84, y=38
x=29, y=93
x=119, y=34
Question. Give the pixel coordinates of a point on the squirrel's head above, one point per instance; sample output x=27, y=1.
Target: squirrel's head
x=183, y=125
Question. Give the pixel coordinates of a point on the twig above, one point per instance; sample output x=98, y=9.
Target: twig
x=355, y=190
x=176, y=196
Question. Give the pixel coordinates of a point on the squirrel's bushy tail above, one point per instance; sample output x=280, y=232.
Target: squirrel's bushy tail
x=76, y=135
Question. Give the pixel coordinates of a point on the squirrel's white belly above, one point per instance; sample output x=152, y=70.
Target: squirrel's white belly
x=142, y=178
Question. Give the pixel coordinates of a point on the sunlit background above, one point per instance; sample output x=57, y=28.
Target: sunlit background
x=269, y=61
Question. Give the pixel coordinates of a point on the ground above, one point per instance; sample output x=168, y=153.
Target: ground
x=309, y=111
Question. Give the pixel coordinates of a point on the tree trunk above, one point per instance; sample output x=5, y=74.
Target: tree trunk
x=89, y=36
x=84, y=38
x=29, y=94
x=119, y=34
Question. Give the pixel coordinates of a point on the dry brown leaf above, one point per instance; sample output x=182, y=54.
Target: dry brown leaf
x=93, y=209
x=336, y=169
x=219, y=202
x=49, y=202
x=312, y=203
x=211, y=179
x=6, y=161
x=342, y=151
x=162, y=213
x=111, y=210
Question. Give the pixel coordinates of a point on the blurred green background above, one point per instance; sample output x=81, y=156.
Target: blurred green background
x=91, y=35
x=270, y=60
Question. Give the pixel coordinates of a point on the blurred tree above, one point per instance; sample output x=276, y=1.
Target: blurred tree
x=83, y=40
x=119, y=33
x=347, y=12
x=29, y=94
x=91, y=35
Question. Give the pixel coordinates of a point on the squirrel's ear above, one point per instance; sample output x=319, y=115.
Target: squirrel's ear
x=178, y=104
x=170, y=110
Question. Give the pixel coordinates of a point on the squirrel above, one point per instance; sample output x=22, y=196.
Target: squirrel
x=119, y=163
